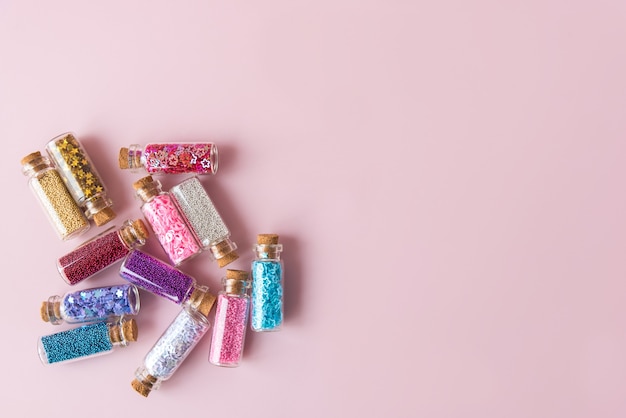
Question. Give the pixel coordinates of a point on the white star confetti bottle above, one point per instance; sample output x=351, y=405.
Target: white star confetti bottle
x=172, y=348
x=170, y=158
x=168, y=224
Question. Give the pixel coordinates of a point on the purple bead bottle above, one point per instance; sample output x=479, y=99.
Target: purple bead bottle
x=160, y=278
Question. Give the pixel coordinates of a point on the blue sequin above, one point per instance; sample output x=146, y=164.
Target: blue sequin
x=76, y=343
x=267, y=295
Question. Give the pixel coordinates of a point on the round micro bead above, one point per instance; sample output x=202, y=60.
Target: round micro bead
x=75, y=343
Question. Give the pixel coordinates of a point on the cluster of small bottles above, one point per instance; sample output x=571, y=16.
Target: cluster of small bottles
x=185, y=222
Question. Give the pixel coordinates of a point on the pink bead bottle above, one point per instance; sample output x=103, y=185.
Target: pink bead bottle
x=170, y=158
x=231, y=319
x=166, y=221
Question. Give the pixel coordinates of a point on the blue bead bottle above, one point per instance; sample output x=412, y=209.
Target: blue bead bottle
x=86, y=341
x=91, y=305
x=267, y=284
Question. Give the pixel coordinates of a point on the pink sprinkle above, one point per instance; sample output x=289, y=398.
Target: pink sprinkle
x=170, y=228
x=231, y=316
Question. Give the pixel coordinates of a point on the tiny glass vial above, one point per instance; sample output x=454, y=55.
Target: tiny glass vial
x=62, y=211
x=81, y=177
x=102, y=251
x=87, y=341
x=205, y=221
x=166, y=221
x=231, y=319
x=170, y=158
x=155, y=276
x=267, y=284
x=91, y=305
x=171, y=349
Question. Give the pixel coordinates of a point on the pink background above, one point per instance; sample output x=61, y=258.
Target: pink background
x=446, y=178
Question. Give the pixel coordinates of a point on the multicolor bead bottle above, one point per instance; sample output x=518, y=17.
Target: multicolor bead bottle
x=81, y=178
x=102, y=251
x=231, y=318
x=87, y=341
x=153, y=275
x=205, y=221
x=171, y=349
x=57, y=202
x=91, y=305
x=267, y=284
x=166, y=221
x=171, y=158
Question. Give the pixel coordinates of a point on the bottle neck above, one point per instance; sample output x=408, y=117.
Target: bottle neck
x=222, y=248
x=268, y=251
x=123, y=331
x=235, y=287
x=34, y=164
x=149, y=191
x=132, y=235
x=51, y=310
x=201, y=300
x=135, y=154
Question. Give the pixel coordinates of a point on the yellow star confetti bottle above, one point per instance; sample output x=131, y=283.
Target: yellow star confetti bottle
x=81, y=177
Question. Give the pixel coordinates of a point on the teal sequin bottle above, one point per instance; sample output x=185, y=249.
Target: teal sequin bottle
x=267, y=284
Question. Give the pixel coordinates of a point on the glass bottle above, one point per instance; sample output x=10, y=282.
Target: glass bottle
x=153, y=275
x=166, y=221
x=267, y=284
x=80, y=177
x=102, y=251
x=231, y=318
x=205, y=221
x=47, y=185
x=171, y=349
x=87, y=341
x=91, y=305
x=171, y=158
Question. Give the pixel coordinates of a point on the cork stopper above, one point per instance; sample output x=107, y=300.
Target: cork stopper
x=144, y=386
x=127, y=331
x=140, y=228
x=30, y=158
x=236, y=274
x=146, y=188
x=46, y=311
x=103, y=216
x=268, y=246
x=122, y=158
x=227, y=259
x=143, y=182
x=130, y=330
x=33, y=163
x=202, y=301
x=267, y=239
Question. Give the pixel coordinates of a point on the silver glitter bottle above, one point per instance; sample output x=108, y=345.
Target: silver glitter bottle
x=205, y=221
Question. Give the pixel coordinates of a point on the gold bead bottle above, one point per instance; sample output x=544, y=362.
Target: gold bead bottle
x=62, y=211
